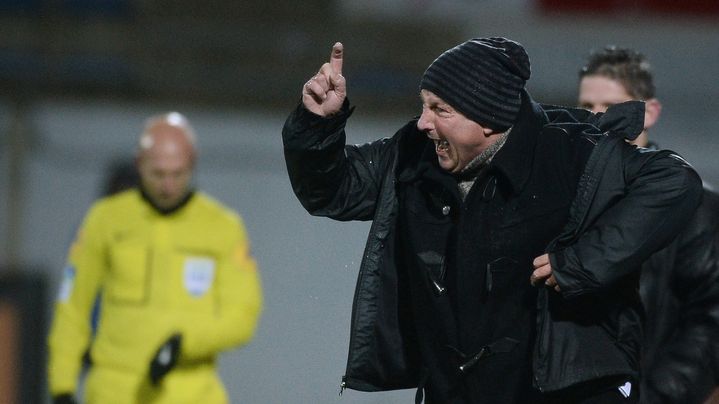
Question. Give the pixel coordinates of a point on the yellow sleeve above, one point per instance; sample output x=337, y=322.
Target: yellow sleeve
x=239, y=306
x=70, y=332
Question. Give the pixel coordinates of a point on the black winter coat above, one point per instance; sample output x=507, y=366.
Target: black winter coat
x=680, y=289
x=602, y=244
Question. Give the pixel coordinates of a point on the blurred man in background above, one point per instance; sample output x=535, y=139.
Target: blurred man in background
x=176, y=280
x=679, y=284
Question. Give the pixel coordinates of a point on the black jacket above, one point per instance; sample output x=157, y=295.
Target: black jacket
x=593, y=256
x=680, y=289
x=464, y=263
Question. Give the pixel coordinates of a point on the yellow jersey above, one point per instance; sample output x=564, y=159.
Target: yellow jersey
x=188, y=272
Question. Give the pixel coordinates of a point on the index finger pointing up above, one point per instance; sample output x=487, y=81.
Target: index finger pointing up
x=336, y=58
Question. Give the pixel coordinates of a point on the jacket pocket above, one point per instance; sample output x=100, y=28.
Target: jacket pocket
x=129, y=274
x=435, y=267
x=501, y=276
x=430, y=209
x=498, y=273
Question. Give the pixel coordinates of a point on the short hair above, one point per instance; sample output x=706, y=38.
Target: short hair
x=624, y=65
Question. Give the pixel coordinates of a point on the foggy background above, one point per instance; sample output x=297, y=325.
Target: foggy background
x=78, y=78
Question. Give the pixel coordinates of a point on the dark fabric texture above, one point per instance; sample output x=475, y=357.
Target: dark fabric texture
x=605, y=282
x=390, y=347
x=468, y=291
x=482, y=78
x=680, y=290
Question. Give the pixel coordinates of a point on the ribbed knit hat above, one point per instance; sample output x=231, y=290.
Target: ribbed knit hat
x=481, y=78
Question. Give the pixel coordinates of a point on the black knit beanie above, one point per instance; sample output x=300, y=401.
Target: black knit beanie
x=481, y=78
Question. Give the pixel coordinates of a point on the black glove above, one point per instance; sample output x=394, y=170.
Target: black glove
x=64, y=398
x=165, y=358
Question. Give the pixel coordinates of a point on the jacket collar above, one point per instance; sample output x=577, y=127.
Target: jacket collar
x=419, y=161
x=414, y=153
x=512, y=161
x=166, y=211
x=625, y=120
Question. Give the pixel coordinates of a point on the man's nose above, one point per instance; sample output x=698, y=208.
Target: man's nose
x=424, y=123
x=168, y=184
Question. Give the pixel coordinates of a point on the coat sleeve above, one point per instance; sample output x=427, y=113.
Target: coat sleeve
x=239, y=303
x=328, y=177
x=70, y=332
x=660, y=195
x=683, y=369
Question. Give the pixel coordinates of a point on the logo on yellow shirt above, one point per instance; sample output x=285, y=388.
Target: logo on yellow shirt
x=199, y=275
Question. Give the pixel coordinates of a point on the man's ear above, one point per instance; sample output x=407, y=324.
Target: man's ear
x=652, y=110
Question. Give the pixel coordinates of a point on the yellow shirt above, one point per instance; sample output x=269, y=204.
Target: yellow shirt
x=188, y=272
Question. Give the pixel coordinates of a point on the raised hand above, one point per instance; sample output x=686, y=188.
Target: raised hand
x=324, y=93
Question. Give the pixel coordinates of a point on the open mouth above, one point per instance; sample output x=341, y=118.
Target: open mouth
x=442, y=146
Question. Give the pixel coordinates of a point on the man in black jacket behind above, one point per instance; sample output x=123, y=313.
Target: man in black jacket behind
x=680, y=283
x=503, y=259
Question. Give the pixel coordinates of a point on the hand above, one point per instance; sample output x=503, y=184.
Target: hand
x=542, y=274
x=64, y=398
x=165, y=358
x=326, y=91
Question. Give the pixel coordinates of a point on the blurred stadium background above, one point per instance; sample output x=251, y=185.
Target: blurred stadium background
x=78, y=77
